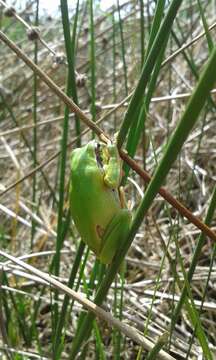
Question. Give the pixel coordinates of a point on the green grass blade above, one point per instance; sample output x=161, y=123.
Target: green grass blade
x=135, y=134
x=99, y=353
x=122, y=48
x=70, y=93
x=138, y=127
x=35, y=104
x=205, y=25
x=142, y=32
x=149, y=64
x=158, y=16
x=72, y=67
x=63, y=313
x=114, y=67
x=92, y=61
x=163, y=339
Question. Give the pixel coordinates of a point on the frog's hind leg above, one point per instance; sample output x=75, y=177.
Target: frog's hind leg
x=115, y=235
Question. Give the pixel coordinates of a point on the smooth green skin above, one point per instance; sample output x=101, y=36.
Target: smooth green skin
x=94, y=199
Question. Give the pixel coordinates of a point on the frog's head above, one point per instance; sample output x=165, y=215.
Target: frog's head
x=106, y=157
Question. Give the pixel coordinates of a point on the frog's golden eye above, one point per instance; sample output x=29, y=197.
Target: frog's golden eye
x=98, y=155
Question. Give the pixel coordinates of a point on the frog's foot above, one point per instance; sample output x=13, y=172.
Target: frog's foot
x=104, y=139
x=100, y=231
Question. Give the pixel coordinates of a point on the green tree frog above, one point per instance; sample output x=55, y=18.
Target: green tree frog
x=96, y=201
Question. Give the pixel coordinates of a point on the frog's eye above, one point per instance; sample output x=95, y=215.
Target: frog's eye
x=98, y=155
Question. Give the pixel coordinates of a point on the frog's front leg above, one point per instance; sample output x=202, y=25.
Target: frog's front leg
x=114, y=236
